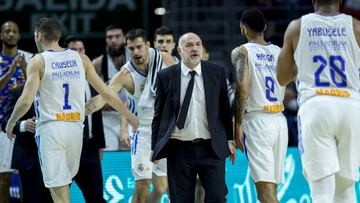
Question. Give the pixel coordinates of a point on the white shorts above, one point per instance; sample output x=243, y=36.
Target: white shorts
x=59, y=147
x=6, y=148
x=329, y=137
x=265, y=141
x=142, y=167
x=111, y=121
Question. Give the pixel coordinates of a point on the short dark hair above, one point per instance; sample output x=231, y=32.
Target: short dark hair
x=255, y=19
x=113, y=27
x=325, y=2
x=72, y=38
x=49, y=27
x=163, y=30
x=135, y=33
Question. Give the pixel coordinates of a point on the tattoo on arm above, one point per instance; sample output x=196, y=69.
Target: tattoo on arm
x=239, y=60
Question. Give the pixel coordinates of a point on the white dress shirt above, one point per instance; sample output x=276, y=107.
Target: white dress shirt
x=196, y=123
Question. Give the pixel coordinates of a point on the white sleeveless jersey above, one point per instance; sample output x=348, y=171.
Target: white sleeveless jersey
x=147, y=98
x=265, y=93
x=327, y=57
x=139, y=81
x=61, y=94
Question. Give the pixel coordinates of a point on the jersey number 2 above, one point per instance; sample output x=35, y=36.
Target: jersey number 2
x=270, y=89
x=66, y=96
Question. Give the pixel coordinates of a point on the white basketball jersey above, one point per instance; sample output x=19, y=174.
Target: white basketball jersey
x=327, y=57
x=139, y=81
x=147, y=98
x=265, y=93
x=61, y=95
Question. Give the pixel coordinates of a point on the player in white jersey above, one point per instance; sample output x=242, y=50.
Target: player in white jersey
x=259, y=103
x=56, y=77
x=138, y=77
x=321, y=51
x=164, y=40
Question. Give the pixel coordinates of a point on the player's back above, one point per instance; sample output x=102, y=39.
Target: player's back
x=61, y=94
x=327, y=57
x=265, y=93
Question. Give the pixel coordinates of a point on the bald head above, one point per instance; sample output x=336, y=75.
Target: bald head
x=187, y=36
x=190, y=49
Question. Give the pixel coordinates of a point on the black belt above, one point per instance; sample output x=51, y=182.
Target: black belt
x=194, y=141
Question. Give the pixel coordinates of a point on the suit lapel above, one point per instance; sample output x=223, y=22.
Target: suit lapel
x=176, y=88
x=207, y=87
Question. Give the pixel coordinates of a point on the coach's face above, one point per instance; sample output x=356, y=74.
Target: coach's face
x=190, y=49
x=138, y=49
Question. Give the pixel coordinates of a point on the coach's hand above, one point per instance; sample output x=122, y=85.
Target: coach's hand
x=232, y=150
x=30, y=125
x=238, y=137
x=151, y=155
x=9, y=128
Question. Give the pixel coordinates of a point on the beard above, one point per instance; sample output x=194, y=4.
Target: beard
x=116, y=51
x=9, y=45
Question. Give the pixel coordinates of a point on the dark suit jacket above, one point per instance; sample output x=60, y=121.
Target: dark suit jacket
x=25, y=153
x=167, y=105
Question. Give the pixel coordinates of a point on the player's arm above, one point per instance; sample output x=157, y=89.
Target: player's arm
x=121, y=79
x=27, y=97
x=12, y=69
x=167, y=59
x=97, y=65
x=106, y=92
x=239, y=59
x=356, y=27
x=286, y=67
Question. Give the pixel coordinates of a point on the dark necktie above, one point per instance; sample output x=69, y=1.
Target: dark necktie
x=185, y=105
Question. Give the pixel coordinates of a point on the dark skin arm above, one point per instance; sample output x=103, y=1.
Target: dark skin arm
x=239, y=59
x=286, y=70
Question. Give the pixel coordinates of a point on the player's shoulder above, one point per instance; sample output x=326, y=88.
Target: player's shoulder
x=167, y=72
x=239, y=52
x=295, y=25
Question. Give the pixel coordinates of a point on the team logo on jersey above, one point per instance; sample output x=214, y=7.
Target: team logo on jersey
x=142, y=87
x=140, y=167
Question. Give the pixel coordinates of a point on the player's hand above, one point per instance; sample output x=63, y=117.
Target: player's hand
x=238, y=137
x=232, y=150
x=30, y=125
x=20, y=61
x=9, y=128
x=94, y=104
x=125, y=139
x=12, y=66
x=133, y=121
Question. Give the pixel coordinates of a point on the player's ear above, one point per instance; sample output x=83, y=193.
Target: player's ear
x=148, y=44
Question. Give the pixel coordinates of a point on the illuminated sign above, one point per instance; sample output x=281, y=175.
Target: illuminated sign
x=119, y=183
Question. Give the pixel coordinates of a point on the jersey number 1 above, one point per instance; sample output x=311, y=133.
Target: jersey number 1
x=66, y=97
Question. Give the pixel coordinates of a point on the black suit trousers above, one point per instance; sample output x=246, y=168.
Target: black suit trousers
x=89, y=177
x=33, y=188
x=185, y=161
